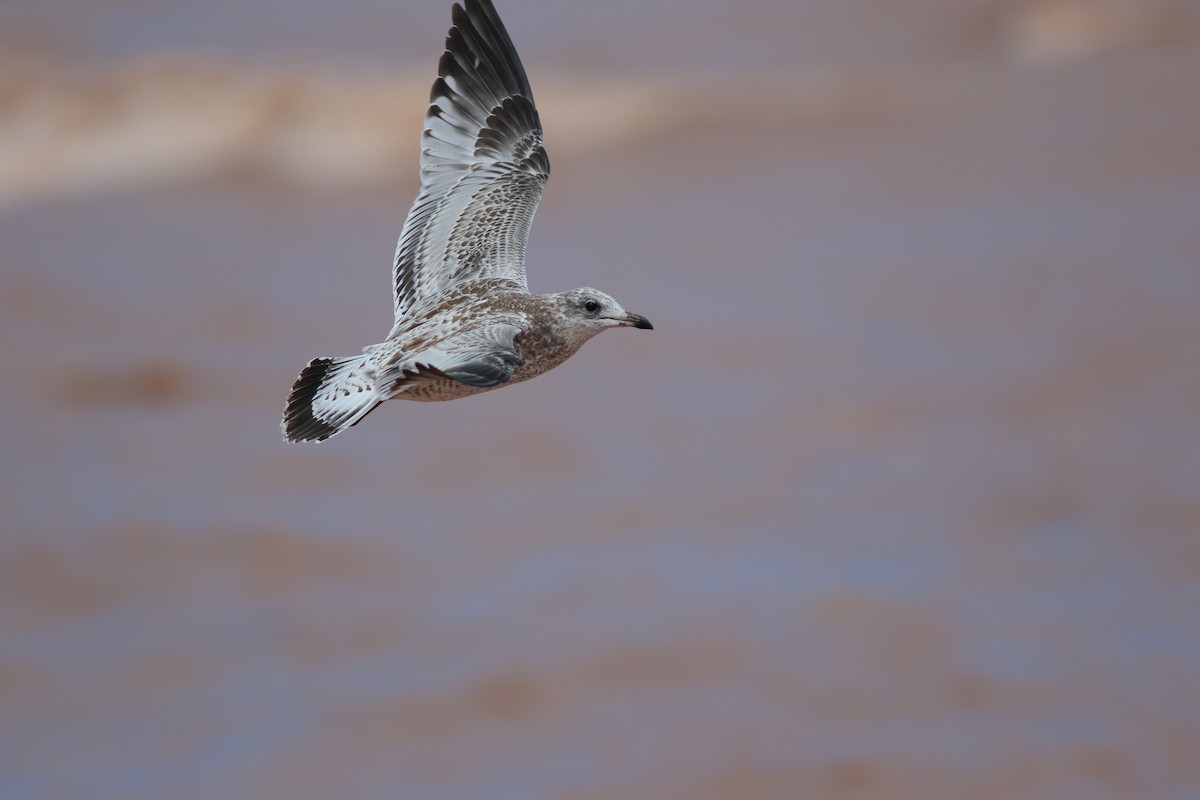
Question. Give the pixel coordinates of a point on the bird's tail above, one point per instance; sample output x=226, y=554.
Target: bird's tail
x=330, y=395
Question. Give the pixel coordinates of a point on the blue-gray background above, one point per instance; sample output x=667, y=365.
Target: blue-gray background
x=900, y=499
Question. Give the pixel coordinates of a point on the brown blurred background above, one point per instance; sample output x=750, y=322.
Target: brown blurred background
x=901, y=499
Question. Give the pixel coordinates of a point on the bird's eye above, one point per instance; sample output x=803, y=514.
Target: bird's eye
x=591, y=306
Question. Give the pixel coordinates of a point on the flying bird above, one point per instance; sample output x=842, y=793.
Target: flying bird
x=465, y=321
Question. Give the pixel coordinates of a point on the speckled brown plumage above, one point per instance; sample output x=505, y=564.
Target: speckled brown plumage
x=465, y=321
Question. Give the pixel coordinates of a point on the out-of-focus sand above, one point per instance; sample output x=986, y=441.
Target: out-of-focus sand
x=901, y=499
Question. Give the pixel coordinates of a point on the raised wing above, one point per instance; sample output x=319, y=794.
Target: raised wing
x=483, y=166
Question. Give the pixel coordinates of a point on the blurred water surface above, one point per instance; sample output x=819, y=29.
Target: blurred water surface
x=900, y=499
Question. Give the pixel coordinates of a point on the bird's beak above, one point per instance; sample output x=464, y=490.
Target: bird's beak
x=636, y=321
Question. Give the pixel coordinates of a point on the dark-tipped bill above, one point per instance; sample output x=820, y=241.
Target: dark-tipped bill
x=637, y=321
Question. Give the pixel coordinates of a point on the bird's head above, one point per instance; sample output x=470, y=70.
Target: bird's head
x=589, y=311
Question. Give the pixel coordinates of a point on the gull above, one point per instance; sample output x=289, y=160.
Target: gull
x=465, y=321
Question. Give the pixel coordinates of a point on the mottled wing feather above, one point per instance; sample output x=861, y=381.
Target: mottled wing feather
x=481, y=355
x=483, y=166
